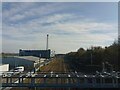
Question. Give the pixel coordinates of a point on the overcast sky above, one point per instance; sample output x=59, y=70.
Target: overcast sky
x=69, y=25
x=60, y=0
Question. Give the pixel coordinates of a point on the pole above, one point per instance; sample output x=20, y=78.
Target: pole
x=103, y=67
x=14, y=61
x=110, y=66
x=91, y=59
x=39, y=58
x=47, y=42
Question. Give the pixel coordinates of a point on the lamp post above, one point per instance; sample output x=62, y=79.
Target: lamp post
x=39, y=58
x=110, y=66
x=39, y=61
x=91, y=59
x=103, y=65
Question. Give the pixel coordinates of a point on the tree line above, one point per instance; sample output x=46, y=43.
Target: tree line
x=94, y=57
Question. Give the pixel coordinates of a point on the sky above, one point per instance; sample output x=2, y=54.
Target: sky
x=60, y=0
x=70, y=25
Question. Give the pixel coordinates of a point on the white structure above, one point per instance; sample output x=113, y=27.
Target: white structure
x=19, y=69
x=4, y=68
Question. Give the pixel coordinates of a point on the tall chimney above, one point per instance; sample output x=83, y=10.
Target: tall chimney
x=47, y=42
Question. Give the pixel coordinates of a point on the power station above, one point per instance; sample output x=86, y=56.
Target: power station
x=47, y=42
x=38, y=53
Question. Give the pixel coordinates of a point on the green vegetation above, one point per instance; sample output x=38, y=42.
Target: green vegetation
x=91, y=59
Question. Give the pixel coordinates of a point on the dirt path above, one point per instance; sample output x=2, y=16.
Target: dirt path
x=57, y=65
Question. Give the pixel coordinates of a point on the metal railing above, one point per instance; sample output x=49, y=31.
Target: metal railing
x=73, y=80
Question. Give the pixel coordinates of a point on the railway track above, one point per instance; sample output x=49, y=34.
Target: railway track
x=57, y=65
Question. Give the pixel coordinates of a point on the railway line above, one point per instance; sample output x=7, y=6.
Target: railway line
x=56, y=65
x=58, y=70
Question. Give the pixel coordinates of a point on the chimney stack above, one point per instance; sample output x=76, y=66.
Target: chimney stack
x=47, y=42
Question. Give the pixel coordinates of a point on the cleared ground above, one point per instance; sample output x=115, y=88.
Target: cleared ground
x=56, y=65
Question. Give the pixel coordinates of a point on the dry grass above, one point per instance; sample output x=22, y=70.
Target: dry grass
x=57, y=65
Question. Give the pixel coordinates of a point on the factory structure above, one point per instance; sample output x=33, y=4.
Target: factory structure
x=47, y=54
x=29, y=59
x=38, y=53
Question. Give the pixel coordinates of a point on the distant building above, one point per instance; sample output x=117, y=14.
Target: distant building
x=37, y=53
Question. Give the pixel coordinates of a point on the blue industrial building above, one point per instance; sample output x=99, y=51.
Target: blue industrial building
x=37, y=53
